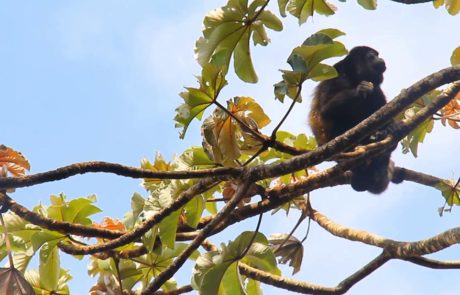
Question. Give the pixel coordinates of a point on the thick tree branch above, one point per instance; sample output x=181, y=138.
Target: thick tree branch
x=105, y=167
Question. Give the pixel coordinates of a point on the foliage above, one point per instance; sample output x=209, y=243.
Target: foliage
x=147, y=243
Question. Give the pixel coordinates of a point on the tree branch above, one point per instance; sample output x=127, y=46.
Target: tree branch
x=308, y=288
x=180, y=260
x=105, y=167
x=135, y=234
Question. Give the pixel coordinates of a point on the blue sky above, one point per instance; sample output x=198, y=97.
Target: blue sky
x=89, y=80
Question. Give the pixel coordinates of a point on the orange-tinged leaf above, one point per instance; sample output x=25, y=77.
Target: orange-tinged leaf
x=14, y=162
x=111, y=224
x=451, y=113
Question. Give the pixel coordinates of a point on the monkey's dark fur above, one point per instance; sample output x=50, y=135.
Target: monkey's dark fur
x=342, y=102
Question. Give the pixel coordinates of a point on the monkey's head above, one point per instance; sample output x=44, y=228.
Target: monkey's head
x=362, y=64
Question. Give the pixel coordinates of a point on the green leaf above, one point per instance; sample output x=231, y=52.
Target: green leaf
x=227, y=31
x=322, y=72
x=368, y=4
x=243, y=63
x=455, y=58
x=232, y=282
x=270, y=20
x=412, y=140
x=303, y=9
x=168, y=229
x=49, y=267
x=194, y=209
x=450, y=192
x=282, y=4
x=253, y=287
x=45, y=236
x=196, y=100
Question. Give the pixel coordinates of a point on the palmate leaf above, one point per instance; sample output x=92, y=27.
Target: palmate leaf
x=196, y=100
x=224, y=139
x=12, y=282
x=291, y=250
x=216, y=271
x=227, y=32
x=305, y=61
x=303, y=9
x=14, y=162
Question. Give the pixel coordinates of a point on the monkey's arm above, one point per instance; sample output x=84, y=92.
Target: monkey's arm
x=345, y=100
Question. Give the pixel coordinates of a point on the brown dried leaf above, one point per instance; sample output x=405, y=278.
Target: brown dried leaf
x=451, y=113
x=14, y=161
x=12, y=282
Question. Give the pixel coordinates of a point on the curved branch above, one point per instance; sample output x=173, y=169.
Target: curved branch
x=396, y=249
x=105, y=167
x=307, y=288
x=431, y=263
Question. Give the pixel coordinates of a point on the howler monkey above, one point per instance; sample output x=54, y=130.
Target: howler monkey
x=342, y=102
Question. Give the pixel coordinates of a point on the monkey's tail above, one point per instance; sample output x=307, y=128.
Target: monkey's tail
x=373, y=176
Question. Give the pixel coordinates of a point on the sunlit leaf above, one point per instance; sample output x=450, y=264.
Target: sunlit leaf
x=14, y=161
x=196, y=100
x=110, y=224
x=227, y=31
x=450, y=192
x=368, y=4
x=291, y=250
x=411, y=141
x=453, y=6
x=455, y=58
x=159, y=165
x=303, y=9
x=49, y=268
x=451, y=113
x=224, y=138
x=215, y=270
x=438, y=3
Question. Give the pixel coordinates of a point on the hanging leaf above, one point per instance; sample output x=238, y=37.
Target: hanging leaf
x=291, y=251
x=227, y=31
x=12, y=282
x=224, y=138
x=303, y=9
x=14, y=161
x=450, y=192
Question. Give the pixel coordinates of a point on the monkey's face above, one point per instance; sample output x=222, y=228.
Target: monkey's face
x=371, y=67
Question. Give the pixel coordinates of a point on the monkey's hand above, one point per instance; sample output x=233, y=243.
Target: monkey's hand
x=365, y=88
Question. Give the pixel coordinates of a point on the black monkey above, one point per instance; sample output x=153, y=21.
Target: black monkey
x=342, y=102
